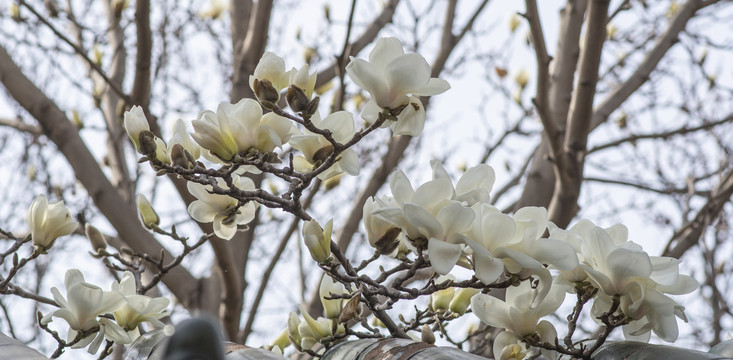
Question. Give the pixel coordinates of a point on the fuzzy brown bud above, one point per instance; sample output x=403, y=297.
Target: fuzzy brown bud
x=296, y=98
x=266, y=93
x=95, y=237
x=179, y=158
x=146, y=139
x=426, y=335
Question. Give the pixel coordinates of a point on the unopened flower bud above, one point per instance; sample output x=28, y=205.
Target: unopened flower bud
x=95, y=237
x=293, y=333
x=148, y=147
x=179, y=157
x=282, y=341
x=426, y=335
x=318, y=240
x=440, y=300
x=461, y=300
x=329, y=288
x=148, y=216
x=266, y=93
x=312, y=106
x=296, y=98
x=514, y=22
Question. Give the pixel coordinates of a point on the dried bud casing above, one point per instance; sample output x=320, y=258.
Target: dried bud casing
x=266, y=93
x=296, y=98
x=146, y=139
x=95, y=237
x=351, y=310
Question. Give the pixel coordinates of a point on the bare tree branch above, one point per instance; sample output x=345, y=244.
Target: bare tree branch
x=541, y=179
x=689, y=234
x=569, y=166
x=121, y=214
x=553, y=134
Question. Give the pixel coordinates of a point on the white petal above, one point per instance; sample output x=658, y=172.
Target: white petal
x=486, y=267
x=491, y=310
x=225, y=232
x=533, y=220
x=385, y=51
x=434, y=86
x=623, y=263
x=401, y=187
x=201, y=211
x=480, y=176
x=406, y=73
x=555, y=252
x=455, y=218
x=411, y=120
x=424, y=221
x=433, y=193
x=497, y=229
x=367, y=77
x=350, y=162
x=443, y=255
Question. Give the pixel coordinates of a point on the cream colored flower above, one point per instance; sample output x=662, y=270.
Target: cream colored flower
x=48, y=222
x=221, y=210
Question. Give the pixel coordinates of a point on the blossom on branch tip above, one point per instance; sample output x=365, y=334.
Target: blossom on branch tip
x=83, y=303
x=318, y=240
x=48, y=222
x=223, y=211
x=148, y=216
x=316, y=148
x=135, y=122
x=271, y=70
x=389, y=77
x=137, y=308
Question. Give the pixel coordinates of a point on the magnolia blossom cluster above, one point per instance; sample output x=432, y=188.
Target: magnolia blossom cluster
x=95, y=314
x=454, y=224
x=243, y=131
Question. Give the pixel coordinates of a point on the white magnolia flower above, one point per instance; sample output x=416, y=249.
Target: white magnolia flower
x=389, y=76
x=213, y=132
x=135, y=122
x=48, y=222
x=222, y=210
x=137, y=308
x=181, y=136
x=328, y=288
x=621, y=268
x=312, y=330
x=272, y=68
x=517, y=314
x=303, y=79
x=508, y=346
x=381, y=234
x=251, y=130
x=83, y=303
x=316, y=148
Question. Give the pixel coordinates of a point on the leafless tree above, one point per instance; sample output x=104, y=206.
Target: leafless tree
x=626, y=116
